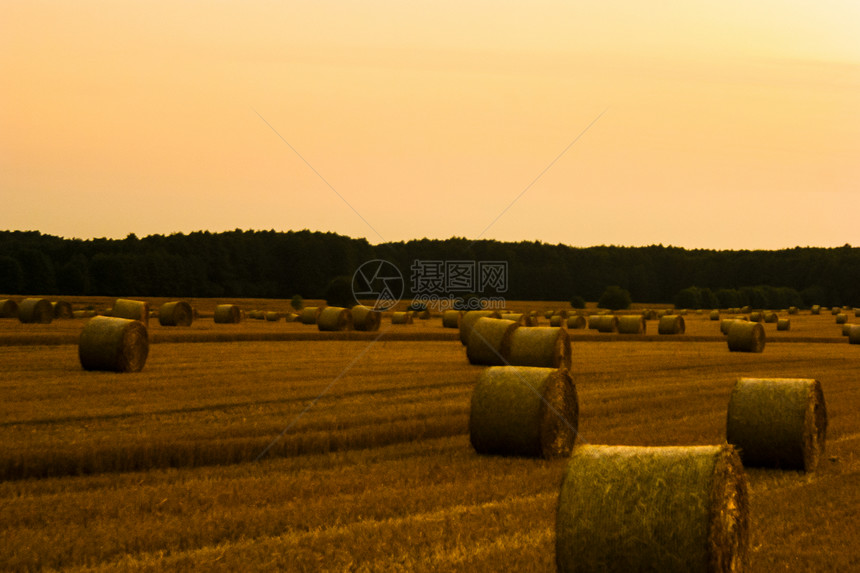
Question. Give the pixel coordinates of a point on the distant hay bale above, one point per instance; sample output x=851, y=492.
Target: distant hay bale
x=778, y=422
x=841, y=318
x=835, y=310
x=631, y=324
x=576, y=322
x=727, y=322
x=256, y=315
x=176, y=313
x=334, y=319
x=557, y=320
x=85, y=313
x=272, y=316
x=423, y=314
x=113, y=344
x=846, y=328
x=561, y=312
x=816, y=309
x=854, y=334
x=783, y=324
x=131, y=309
x=533, y=318
x=715, y=315
x=744, y=336
x=291, y=317
x=309, y=314
x=227, y=314
x=594, y=321
x=8, y=308
x=671, y=324
x=517, y=317
x=524, y=411
x=35, y=310
x=607, y=323
x=756, y=316
x=666, y=509
x=490, y=341
x=857, y=313
x=540, y=346
x=771, y=317
x=745, y=309
x=793, y=310
x=469, y=318
x=62, y=309
x=401, y=317
x=548, y=314
x=451, y=318
x=365, y=318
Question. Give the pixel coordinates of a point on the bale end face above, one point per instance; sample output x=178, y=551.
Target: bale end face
x=227, y=314
x=746, y=336
x=177, y=313
x=113, y=344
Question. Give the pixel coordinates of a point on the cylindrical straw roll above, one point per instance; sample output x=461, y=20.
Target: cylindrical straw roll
x=8, y=308
x=540, y=346
x=770, y=317
x=594, y=321
x=334, y=318
x=365, y=318
x=671, y=324
x=291, y=317
x=227, y=314
x=272, y=316
x=177, y=313
x=468, y=319
x=84, y=313
x=576, y=322
x=854, y=334
x=309, y=314
x=631, y=324
x=666, y=509
x=746, y=336
x=517, y=317
x=35, y=310
x=524, y=411
x=557, y=320
x=816, y=309
x=131, y=309
x=607, y=323
x=756, y=316
x=62, y=309
x=548, y=314
x=451, y=318
x=490, y=341
x=841, y=318
x=778, y=422
x=727, y=322
x=113, y=344
x=401, y=317
x=715, y=315
x=783, y=324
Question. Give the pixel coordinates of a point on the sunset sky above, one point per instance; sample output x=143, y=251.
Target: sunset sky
x=724, y=125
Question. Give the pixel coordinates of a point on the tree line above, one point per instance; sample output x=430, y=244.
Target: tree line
x=270, y=264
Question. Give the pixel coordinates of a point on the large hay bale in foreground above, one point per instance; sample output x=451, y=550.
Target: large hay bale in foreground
x=62, y=309
x=309, y=314
x=576, y=322
x=631, y=324
x=671, y=324
x=365, y=318
x=854, y=334
x=451, y=318
x=8, y=308
x=778, y=422
x=334, y=319
x=666, y=509
x=470, y=318
x=175, y=313
x=227, y=314
x=401, y=317
x=131, y=309
x=744, y=336
x=113, y=344
x=490, y=341
x=783, y=324
x=540, y=346
x=35, y=310
x=524, y=411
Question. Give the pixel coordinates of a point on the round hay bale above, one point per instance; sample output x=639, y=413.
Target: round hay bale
x=401, y=317
x=671, y=324
x=594, y=321
x=490, y=341
x=272, y=316
x=562, y=313
x=62, y=309
x=517, y=317
x=841, y=318
x=256, y=315
x=756, y=316
x=745, y=309
x=857, y=313
x=227, y=314
x=532, y=319
x=540, y=346
x=835, y=310
x=309, y=314
x=778, y=422
x=667, y=509
x=727, y=322
x=85, y=313
x=291, y=317
x=8, y=308
x=771, y=317
x=451, y=318
x=365, y=318
x=548, y=314
x=631, y=324
x=524, y=411
x=334, y=319
x=113, y=344
x=469, y=318
x=745, y=336
x=793, y=310
x=607, y=323
x=422, y=314
x=35, y=310
x=557, y=320
x=131, y=309
x=176, y=313
x=650, y=314
x=783, y=324
x=816, y=309
x=715, y=315
x=576, y=322
x=854, y=334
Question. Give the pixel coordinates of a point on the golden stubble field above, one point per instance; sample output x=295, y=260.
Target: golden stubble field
x=373, y=470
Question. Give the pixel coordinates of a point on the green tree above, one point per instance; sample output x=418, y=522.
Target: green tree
x=298, y=302
x=339, y=292
x=11, y=275
x=577, y=301
x=615, y=298
x=690, y=297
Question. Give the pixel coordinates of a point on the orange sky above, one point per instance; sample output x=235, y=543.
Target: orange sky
x=726, y=125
